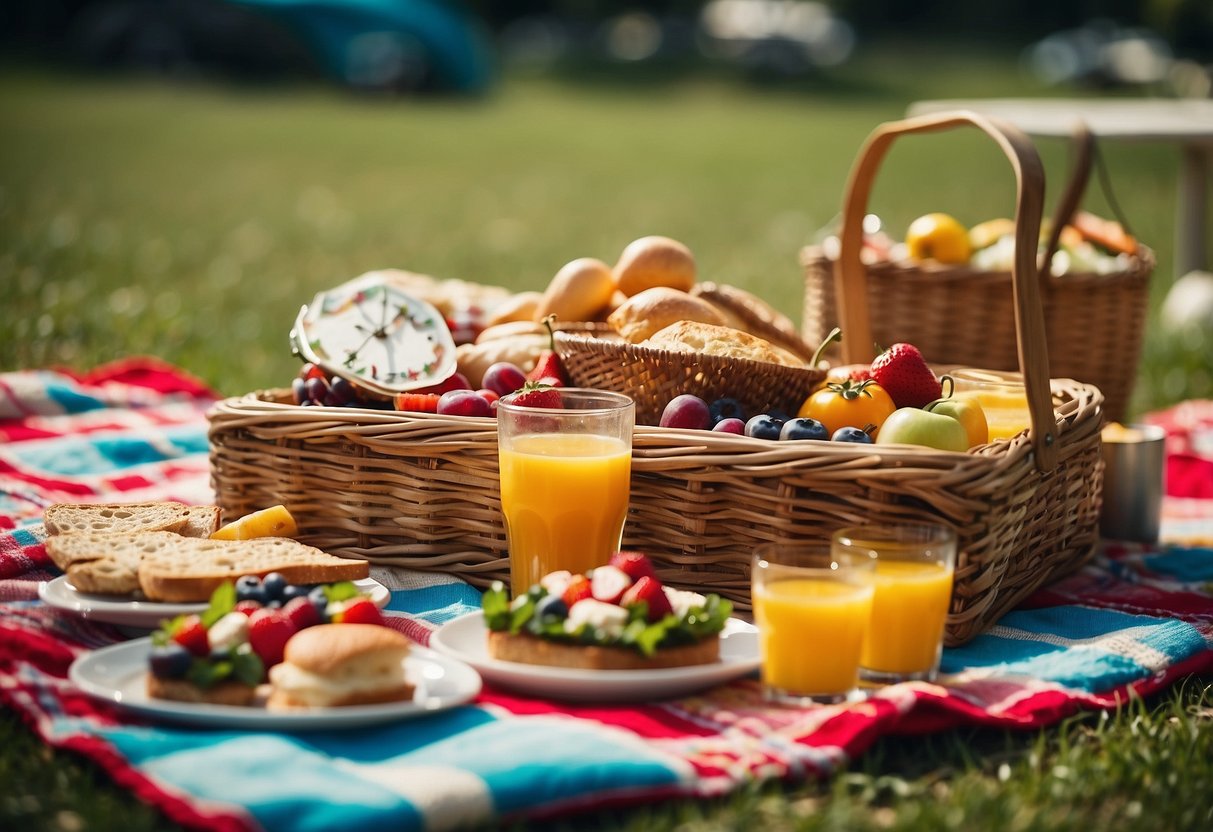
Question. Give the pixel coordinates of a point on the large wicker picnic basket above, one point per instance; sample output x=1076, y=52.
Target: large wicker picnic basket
x=962, y=315
x=421, y=491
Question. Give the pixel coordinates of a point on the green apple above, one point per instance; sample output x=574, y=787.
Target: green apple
x=968, y=412
x=913, y=426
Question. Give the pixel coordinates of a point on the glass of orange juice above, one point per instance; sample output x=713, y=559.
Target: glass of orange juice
x=1001, y=396
x=812, y=609
x=565, y=480
x=913, y=582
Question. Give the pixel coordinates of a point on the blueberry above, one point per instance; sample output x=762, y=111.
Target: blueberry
x=803, y=428
x=293, y=591
x=170, y=661
x=321, y=602
x=851, y=435
x=763, y=426
x=551, y=606
x=725, y=408
x=250, y=588
x=275, y=584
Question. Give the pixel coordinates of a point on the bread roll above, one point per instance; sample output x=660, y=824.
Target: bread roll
x=578, y=291
x=655, y=261
x=519, y=307
x=746, y=311
x=655, y=309
x=522, y=350
x=332, y=665
x=509, y=329
x=706, y=339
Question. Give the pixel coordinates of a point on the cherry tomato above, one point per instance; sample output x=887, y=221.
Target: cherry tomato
x=849, y=404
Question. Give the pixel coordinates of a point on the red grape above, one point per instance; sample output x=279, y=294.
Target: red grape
x=464, y=403
x=317, y=389
x=503, y=378
x=686, y=411
x=730, y=426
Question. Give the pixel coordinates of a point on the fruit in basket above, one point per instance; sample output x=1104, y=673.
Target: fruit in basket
x=969, y=413
x=417, y=402
x=503, y=378
x=938, y=237
x=852, y=434
x=903, y=373
x=734, y=426
x=464, y=403
x=803, y=428
x=654, y=261
x=915, y=426
x=848, y=403
x=987, y=233
x=548, y=367
x=726, y=408
x=578, y=291
x=538, y=394
x=688, y=412
x=764, y=426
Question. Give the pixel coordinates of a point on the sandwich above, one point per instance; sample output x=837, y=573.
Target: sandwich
x=335, y=665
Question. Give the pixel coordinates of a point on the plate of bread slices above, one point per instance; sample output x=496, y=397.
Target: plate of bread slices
x=614, y=634
x=139, y=563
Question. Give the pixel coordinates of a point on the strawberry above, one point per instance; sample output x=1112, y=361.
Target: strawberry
x=548, y=368
x=577, y=589
x=635, y=565
x=860, y=374
x=903, y=373
x=608, y=583
x=536, y=394
x=301, y=612
x=361, y=611
x=268, y=632
x=649, y=591
x=247, y=607
x=418, y=402
x=192, y=636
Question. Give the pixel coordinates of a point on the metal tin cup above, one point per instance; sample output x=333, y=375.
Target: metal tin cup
x=1134, y=458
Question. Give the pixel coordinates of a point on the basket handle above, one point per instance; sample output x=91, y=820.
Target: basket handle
x=1071, y=197
x=851, y=283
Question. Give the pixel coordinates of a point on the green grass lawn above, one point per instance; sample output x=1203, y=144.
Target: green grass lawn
x=191, y=222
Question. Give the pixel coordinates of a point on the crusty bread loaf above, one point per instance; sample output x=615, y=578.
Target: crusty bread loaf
x=203, y=521
x=654, y=261
x=529, y=649
x=64, y=518
x=654, y=309
x=177, y=569
x=705, y=339
x=746, y=311
x=227, y=692
x=332, y=665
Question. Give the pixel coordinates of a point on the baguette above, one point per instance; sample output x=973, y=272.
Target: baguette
x=65, y=518
x=177, y=569
x=528, y=649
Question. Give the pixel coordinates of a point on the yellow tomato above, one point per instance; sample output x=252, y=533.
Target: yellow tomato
x=849, y=404
x=938, y=237
x=274, y=521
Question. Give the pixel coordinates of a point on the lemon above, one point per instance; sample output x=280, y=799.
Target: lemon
x=274, y=521
x=938, y=237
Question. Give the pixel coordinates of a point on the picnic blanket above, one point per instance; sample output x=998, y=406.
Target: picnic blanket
x=1135, y=620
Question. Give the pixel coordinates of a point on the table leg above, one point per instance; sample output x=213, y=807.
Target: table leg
x=1193, y=195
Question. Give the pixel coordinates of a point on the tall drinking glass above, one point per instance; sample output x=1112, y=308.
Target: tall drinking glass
x=565, y=480
x=1002, y=398
x=812, y=609
x=914, y=567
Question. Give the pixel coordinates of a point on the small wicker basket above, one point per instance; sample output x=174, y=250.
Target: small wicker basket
x=955, y=314
x=422, y=491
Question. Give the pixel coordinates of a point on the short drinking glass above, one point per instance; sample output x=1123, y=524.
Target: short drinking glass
x=812, y=610
x=913, y=581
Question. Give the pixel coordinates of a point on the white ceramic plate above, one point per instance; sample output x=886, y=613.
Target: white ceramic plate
x=126, y=612
x=465, y=638
x=116, y=674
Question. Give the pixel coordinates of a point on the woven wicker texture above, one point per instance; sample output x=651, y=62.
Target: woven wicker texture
x=422, y=491
x=653, y=376
x=1094, y=323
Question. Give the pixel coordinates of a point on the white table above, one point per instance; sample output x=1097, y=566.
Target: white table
x=1186, y=122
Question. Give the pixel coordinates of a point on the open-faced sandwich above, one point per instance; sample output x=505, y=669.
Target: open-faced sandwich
x=221, y=655
x=615, y=617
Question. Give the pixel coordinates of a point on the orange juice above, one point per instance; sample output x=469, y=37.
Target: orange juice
x=810, y=633
x=565, y=497
x=1006, y=410
x=908, y=612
